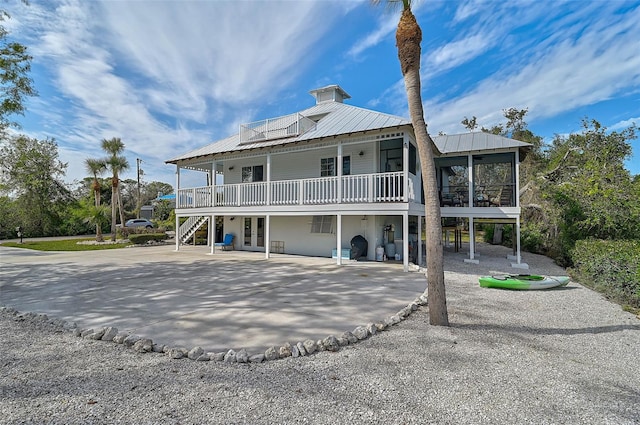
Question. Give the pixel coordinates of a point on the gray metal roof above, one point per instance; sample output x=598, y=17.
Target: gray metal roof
x=336, y=119
x=475, y=141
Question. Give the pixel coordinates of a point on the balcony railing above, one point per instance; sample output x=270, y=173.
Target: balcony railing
x=361, y=188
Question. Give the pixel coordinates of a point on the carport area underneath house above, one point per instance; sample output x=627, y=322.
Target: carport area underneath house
x=189, y=298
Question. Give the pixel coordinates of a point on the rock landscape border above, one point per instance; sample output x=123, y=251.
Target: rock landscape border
x=146, y=345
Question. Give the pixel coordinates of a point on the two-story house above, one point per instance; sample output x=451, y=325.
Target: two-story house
x=309, y=182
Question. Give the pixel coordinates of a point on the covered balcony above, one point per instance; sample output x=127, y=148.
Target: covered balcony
x=359, y=188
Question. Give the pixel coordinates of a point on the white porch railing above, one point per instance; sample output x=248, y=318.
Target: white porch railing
x=360, y=188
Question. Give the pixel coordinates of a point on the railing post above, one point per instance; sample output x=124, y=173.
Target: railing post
x=301, y=191
x=371, y=179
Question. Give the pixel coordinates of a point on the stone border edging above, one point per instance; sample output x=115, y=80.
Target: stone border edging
x=299, y=349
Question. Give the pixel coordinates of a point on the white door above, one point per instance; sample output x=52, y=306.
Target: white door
x=253, y=234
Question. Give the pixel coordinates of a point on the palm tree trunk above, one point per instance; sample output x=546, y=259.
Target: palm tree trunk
x=408, y=39
x=120, y=206
x=113, y=211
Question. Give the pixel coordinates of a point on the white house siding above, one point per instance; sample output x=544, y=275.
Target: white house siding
x=296, y=234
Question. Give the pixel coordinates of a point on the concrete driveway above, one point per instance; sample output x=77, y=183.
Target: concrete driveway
x=190, y=298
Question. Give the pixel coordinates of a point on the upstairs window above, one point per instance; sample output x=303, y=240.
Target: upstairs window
x=328, y=166
x=252, y=174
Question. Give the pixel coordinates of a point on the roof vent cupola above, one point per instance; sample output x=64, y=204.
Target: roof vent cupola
x=333, y=93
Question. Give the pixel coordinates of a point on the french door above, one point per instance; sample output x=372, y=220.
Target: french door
x=253, y=234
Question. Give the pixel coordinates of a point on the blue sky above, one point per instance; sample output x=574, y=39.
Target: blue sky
x=170, y=76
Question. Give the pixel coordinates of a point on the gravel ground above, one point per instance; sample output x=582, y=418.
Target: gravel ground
x=557, y=356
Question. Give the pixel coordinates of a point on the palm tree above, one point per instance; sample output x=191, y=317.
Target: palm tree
x=97, y=215
x=116, y=163
x=408, y=39
x=96, y=167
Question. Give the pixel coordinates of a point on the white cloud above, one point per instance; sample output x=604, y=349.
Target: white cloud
x=386, y=26
x=587, y=63
x=153, y=72
x=621, y=125
x=457, y=53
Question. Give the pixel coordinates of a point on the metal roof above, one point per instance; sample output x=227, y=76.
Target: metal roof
x=475, y=141
x=333, y=119
x=337, y=119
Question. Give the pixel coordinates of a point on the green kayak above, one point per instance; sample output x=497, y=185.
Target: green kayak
x=523, y=281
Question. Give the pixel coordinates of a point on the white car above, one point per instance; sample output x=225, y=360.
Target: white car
x=139, y=222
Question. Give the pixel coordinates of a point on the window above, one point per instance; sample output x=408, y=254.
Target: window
x=252, y=174
x=328, y=166
x=412, y=159
x=346, y=165
x=391, y=155
x=322, y=224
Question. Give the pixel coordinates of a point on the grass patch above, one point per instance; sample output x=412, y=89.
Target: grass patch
x=63, y=245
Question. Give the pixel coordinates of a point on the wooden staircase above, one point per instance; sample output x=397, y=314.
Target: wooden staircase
x=189, y=228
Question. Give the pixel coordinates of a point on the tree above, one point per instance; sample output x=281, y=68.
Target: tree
x=96, y=167
x=116, y=163
x=32, y=174
x=470, y=124
x=590, y=190
x=15, y=83
x=95, y=215
x=408, y=39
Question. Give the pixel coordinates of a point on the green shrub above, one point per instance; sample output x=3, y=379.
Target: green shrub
x=610, y=267
x=532, y=238
x=143, y=238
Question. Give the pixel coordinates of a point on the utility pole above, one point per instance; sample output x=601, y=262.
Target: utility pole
x=138, y=206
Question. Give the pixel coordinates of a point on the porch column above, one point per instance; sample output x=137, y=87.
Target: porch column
x=212, y=233
x=405, y=241
x=420, y=240
x=177, y=235
x=339, y=239
x=177, y=191
x=518, y=264
x=517, y=186
x=339, y=174
x=472, y=242
x=471, y=177
x=268, y=183
x=214, y=166
x=405, y=170
x=267, y=232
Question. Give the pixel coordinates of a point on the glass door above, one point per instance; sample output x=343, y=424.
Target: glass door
x=253, y=234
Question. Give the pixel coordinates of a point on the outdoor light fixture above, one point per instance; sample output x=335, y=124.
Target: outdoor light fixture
x=361, y=153
x=231, y=168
